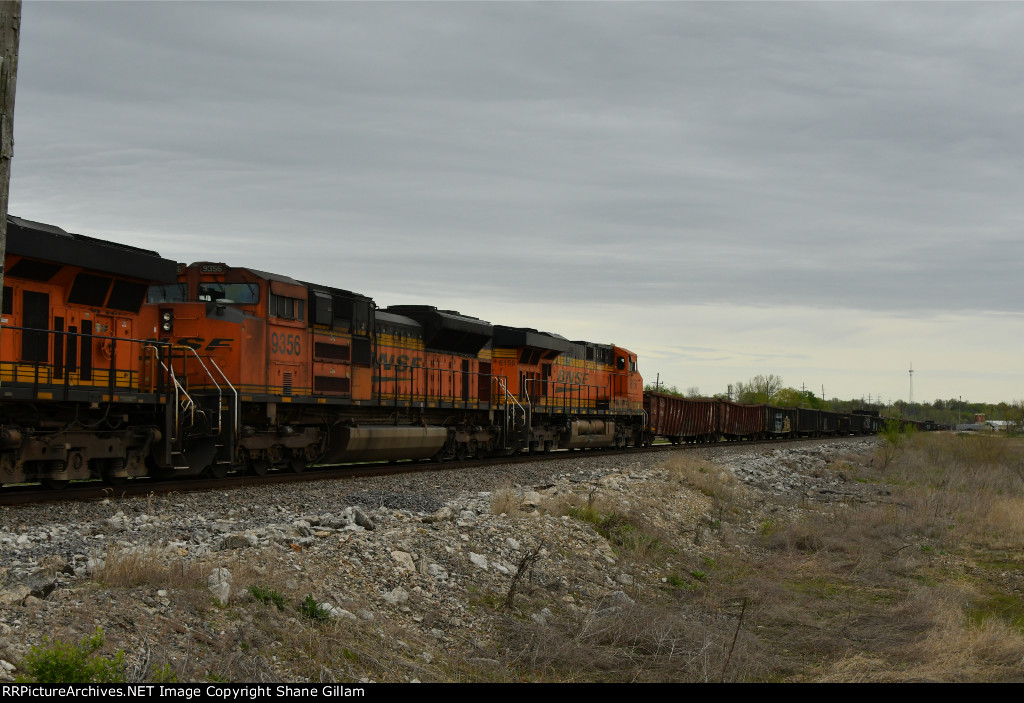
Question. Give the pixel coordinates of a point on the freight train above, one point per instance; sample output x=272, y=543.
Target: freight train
x=117, y=363
x=697, y=420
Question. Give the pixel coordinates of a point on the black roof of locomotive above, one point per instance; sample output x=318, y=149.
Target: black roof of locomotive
x=50, y=243
x=526, y=337
x=447, y=330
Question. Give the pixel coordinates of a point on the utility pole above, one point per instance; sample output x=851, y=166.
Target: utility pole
x=911, y=383
x=10, y=26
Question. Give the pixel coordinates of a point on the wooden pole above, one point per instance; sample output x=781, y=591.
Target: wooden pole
x=10, y=27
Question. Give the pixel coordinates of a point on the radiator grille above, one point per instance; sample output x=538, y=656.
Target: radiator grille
x=331, y=384
x=333, y=352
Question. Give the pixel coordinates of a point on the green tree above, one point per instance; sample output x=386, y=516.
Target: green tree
x=759, y=389
x=669, y=390
x=793, y=398
x=1015, y=416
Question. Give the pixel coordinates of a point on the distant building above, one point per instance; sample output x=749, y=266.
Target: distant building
x=984, y=426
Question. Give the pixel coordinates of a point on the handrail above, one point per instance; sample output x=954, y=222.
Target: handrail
x=187, y=406
x=509, y=396
x=220, y=394
x=236, y=413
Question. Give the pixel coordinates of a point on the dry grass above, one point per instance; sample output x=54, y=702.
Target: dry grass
x=668, y=642
x=920, y=583
x=898, y=589
x=711, y=480
x=149, y=565
x=505, y=502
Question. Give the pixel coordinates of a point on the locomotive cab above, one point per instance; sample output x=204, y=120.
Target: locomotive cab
x=213, y=318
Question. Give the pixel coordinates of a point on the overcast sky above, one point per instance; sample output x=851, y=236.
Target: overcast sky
x=824, y=191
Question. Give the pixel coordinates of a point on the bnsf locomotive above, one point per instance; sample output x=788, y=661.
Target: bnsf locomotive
x=81, y=395
x=115, y=362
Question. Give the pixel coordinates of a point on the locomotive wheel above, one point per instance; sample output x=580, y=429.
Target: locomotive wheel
x=55, y=467
x=216, y=470
x=297, y=465
x=260, y=467
x=461, y=452
x=110, y=466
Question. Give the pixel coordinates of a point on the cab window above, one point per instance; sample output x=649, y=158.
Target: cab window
x=172, y=293
x=287, y=308
x=245, y=293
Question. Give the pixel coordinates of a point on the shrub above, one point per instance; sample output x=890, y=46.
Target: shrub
x=60, y=662
x=268, y=596
x=313, y=610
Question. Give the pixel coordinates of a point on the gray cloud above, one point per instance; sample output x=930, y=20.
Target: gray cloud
x=833, y=155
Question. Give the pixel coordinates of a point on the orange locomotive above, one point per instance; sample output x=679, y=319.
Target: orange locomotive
x=283, y=373
x=82, y=392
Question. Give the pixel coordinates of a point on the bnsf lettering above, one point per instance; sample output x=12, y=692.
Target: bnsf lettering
x=289, y=344
x=402, y=363
x=579, y=378
x=198, y=342
x=195, y=342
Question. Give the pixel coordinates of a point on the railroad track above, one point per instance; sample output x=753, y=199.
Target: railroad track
x=98, y=490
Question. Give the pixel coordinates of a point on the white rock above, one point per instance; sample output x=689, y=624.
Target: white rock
x=396, y=596
x=404, y=559
x=219, y=583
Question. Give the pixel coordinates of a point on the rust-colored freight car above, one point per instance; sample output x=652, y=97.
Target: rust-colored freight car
x=737, y=421
x=681, y=419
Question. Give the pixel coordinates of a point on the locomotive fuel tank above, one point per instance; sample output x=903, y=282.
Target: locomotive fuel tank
x=383, y=443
